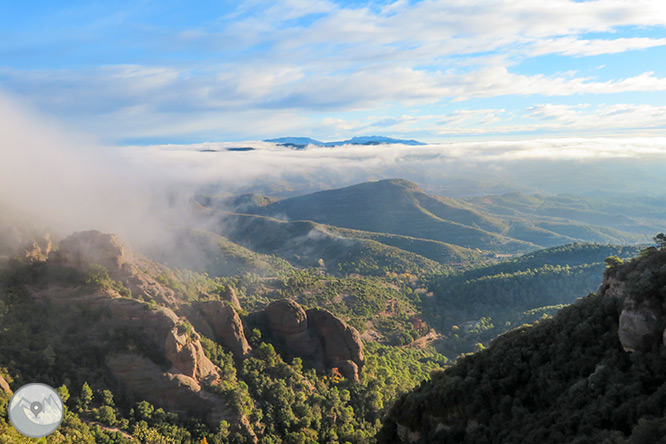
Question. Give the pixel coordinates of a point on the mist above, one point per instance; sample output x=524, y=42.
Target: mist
x=591, y=167
x=63, y=179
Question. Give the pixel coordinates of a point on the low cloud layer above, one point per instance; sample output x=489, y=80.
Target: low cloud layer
x=538, y=165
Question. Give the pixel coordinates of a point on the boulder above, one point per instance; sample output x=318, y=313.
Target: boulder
x=223, y=324
x=638, y=328
x=286, y=317
x=323, y=340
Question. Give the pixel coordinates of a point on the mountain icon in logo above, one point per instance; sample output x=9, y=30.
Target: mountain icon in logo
x=36, y=410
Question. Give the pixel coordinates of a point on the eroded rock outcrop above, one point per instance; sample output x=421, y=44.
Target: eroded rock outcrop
x=86, y=247
x=642, y=319
x=229, y=295
x=4, y=386
x=220, y=321
x=174, y=391
x=342, y=343
x=183, y=349
x=638, y=328
x=316, y=335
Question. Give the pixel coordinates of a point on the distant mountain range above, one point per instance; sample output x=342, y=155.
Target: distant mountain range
x=503, y=224
x=302, y=142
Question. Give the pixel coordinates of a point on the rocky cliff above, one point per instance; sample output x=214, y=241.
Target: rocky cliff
x=320, y=338
x=152, y=350
x=640, y=286
x=221, y=322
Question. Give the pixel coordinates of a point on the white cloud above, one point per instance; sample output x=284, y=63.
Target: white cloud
x=280, y=61
x=581, y=47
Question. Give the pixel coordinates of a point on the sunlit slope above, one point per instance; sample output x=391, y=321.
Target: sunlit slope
x=308, y=244
x=400, y=207
x=622, y=219
x=506, y=223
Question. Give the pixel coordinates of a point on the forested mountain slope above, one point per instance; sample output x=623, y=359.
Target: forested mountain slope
x=595, y=373
x=399, y=207
x=505, y=223
x=472, y=307
x=143, y=353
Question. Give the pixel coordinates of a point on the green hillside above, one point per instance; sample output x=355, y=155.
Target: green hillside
x=58, y=329
x=476, y=305
x=565, y=380
x=308, y=244
x=447, y=254
x=399, y=207
x=507, y=223
x=616, y=220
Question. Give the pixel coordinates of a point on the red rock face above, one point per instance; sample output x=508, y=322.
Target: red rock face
x=286, y=317
x=4, y=386
x=342, y=343
x=317, y=336
x=223, y=324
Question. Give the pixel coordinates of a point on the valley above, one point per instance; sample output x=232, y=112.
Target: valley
x=290, y=320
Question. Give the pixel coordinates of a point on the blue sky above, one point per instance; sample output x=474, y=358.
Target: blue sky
x=142, y=72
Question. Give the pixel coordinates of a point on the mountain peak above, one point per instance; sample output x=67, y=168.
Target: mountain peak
x=302, y=142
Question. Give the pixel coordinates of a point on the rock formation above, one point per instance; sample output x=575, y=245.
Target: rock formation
x=229, y=295
x=320, y=338
x=86, y=247
x=4, y=386
x=220, y=322
x=183, y=349
x=638, y=328
x=174, y=391
x=342, y=343
x=157, y=354
x=638, y=287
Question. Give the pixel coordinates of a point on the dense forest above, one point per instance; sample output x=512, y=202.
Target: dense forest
x=283, y=401
x=567, y=379
x=412, y=306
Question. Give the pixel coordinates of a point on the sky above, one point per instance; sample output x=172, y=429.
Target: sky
x=145, y=72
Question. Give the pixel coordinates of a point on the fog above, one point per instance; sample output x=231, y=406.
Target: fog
x=593, y=167
x=63, y=178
